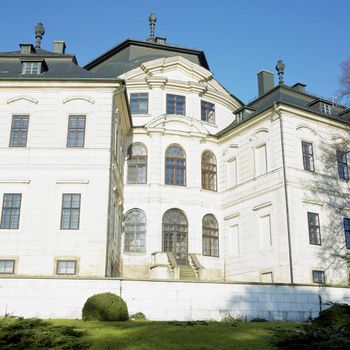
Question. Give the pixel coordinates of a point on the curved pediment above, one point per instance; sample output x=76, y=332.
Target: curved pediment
x=177, y=124
x=78, y=98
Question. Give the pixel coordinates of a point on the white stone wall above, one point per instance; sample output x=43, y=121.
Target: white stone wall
x=45, y=169
x=168, y=300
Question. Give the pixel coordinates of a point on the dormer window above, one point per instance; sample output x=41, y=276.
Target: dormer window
x=325, y=108
x=31, y=68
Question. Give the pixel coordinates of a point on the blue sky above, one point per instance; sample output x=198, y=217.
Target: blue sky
x=239, y=37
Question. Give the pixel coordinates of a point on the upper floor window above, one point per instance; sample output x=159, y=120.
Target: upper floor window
x=76, y=131
x=208, y=171
x=210, y=231
x=208, y=112
x=342, y=161
x=139, y=103
x=314, y=228
x=318, y=277
x=347, y=232
x=70, y=211
x=308, y=156
x=7, y=266
x=19, y=131
x=135, y=231
x=66, y=267
x=11, y=207
x=175, y=166
x=175, y=104
x=137, y=164
x=31, y=67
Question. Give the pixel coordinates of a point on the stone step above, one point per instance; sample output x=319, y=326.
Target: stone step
x=187, y=273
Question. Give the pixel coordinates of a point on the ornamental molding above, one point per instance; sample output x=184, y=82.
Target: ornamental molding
x=26, y=98
x=81, y=98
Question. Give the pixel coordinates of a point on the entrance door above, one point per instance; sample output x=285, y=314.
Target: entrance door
x=175, y=235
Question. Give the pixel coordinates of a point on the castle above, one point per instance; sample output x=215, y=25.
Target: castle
x=142, y=165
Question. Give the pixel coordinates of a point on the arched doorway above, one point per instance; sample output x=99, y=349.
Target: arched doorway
x=175, y=232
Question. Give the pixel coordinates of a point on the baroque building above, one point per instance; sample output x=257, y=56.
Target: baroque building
x=142, y=165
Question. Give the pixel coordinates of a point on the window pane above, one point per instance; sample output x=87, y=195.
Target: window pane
x=347, y=232
x=76, y=131
x=137, y=164
x=318, y=276
x=19, y=131
x=308, y=157
x=208, y=112
x=210, y=234
x=70, y=211
x=139, y=103
x=11, y=211
x=7, y=266
x=66, y=267
x=135, y=231
x=175, y=104
x=314, y=228
x=342, y=165
x=175, y=166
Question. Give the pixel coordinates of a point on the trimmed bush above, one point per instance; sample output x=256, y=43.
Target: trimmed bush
x=105, y=307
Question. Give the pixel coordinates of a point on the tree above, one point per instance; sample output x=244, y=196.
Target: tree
x=345, y=81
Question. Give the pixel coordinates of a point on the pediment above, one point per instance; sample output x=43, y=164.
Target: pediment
x=177, y=124
x=22, y=98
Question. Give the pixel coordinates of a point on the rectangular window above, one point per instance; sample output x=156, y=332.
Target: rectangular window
x=208, y=112
x=347, y=232
x=66, y=267
x=7, y=266
x=308, y=156
x=70, y=212
x=175, y=104
x=325, y=108
x=19, y=130
x=260, y=160
x=342, y=161
x=318, y=277
x=139, y=103
x=31, y=68
x=231, y=173
x=265, y=232
x=76, y=131
x=11, y=207
x=314, y=228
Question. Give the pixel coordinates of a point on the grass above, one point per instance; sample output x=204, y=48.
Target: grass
x=148, y=335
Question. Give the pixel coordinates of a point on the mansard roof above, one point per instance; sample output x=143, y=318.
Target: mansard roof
x=131, y=53
x=290, y=96
x=57, y=66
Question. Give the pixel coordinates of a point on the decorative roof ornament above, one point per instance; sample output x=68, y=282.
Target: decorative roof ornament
x=152, y=23
x=39, y=32
x=280, y=69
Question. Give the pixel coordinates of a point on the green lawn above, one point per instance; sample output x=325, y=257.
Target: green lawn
x=147, y=335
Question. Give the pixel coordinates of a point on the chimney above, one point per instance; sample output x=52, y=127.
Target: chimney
x=59, y=46
x=265, y=81
x=299, y=86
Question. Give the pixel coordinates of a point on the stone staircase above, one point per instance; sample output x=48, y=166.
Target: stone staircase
x=187, y=273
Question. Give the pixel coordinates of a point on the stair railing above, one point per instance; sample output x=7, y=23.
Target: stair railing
x=196, y=265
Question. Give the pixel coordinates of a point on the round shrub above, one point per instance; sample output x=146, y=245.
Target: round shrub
x=105, y=307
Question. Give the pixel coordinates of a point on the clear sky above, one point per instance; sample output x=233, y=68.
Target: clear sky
x=239, y=37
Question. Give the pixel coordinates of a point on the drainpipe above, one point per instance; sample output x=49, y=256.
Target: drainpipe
x=285, y=195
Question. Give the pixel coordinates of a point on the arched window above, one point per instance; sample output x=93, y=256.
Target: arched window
x=210, y=232
x=175, y=166
x=137, y=164
x=175, y=230
x=208, y=171
x=135, y=231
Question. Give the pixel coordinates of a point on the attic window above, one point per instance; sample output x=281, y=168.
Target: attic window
x=325, y=108
x=31, y=67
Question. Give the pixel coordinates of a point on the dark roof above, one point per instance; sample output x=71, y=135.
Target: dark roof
x=131, y=53
x=292, y=97
x=57, y=66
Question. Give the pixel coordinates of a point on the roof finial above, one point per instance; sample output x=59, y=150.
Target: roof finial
x=39, y=32
x=152, y=23
x=280, y=69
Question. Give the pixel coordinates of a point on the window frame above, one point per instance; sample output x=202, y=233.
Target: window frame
x=343, y=168
x=205, y=112
x=19, y=130
x=138, y=100
x=346, y=232
x=31, y=65
x=136, y=162
x=70, y=211
x=307, y=156
x=2, y=225
x=58, y=261
x=211, y=235
x=134, y=233
x=13, y=267
x=316, y=227
x=174, y=166
x=77, y=130
x=315, y=279
x=174, y=104
x=207, y=170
